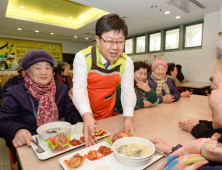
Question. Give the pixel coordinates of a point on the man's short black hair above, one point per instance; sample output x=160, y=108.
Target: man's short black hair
x=111, y=22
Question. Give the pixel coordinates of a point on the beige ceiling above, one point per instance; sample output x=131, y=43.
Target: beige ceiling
x=141, y=18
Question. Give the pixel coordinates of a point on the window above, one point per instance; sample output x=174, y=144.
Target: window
x=172, y=39
x=129, y=46
x=193, y=35
x=155, y=42
x=140, y=44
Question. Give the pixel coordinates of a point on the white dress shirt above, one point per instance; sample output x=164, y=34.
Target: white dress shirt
x=80, y=92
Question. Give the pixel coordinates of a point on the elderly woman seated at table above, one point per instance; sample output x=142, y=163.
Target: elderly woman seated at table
x=146, y=96
x=204, y=153
x=13, y=81
x=63, y=76
x=39, y=100
x=172, y=74
x=159, y=82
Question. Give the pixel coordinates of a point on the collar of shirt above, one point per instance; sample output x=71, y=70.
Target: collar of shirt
x=104, y=61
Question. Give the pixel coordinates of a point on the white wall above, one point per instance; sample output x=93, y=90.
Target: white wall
x=198, y=64
x=67, y=47
x=220, y=29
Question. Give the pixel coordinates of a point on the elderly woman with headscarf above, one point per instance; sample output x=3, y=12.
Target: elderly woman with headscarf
x=159, y=82
x=40, y=100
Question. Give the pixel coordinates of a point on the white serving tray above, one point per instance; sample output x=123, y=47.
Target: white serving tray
x=110, y=161
x=48, y=152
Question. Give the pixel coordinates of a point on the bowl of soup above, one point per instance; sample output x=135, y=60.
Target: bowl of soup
x=133, y=151
x=51, y=129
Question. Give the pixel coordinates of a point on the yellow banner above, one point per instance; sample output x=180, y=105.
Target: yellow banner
x=19, y=47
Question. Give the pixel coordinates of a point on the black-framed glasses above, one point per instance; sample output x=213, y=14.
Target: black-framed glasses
x=111, y=43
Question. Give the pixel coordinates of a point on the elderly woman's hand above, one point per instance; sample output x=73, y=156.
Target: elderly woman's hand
x=144, y=86
x=186, y=94
x=147, y=103
x=187, y=125
x=22, y=137
x=168, y=98
x=161, y=145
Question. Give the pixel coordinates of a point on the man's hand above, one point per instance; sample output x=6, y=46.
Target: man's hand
x=144, y=86
x=168, y=98
x=161, y=145
x=128, y=125
x=88, y=129
x=147, y=103
x=22, y=137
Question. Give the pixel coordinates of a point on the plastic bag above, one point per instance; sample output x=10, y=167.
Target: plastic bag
x=118, y=135
x=59, y=142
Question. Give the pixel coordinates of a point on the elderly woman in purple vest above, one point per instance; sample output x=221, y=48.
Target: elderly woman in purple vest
x=159, y=82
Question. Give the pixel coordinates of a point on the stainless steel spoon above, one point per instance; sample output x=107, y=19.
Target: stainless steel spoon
x=39, y=149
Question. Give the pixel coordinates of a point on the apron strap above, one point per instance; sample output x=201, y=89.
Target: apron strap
x=93, y=53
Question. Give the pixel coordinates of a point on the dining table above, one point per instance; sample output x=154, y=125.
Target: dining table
x=155, y=122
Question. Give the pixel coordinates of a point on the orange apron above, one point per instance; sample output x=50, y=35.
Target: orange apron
x=102, y=88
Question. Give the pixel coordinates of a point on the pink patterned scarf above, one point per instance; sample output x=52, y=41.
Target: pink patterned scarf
x=47, y=109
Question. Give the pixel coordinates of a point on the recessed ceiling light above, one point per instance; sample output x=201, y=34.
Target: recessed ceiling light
x=177, y=17
x=22, y=6
x=153, y=7
x=75, y=37
x=37, y=31
x=167, y=12
x=19, y=29
x=70, y=17
x=87, y=38
x=52, y=33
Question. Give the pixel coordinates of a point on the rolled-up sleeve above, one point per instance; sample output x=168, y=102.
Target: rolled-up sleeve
x=128, y=96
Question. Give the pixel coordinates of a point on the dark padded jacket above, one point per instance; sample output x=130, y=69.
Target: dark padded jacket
x=17, y=111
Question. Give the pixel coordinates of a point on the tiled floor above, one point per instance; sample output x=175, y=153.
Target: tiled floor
x=4, y=156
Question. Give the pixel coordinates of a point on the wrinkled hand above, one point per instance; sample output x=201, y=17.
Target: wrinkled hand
x=187, y=125
x=161, y=145
x=88, y=129
x=186, y=94
x=147, y=103
x=22, y=137
x=168, y=98
x=128, y=126
x=144, y=86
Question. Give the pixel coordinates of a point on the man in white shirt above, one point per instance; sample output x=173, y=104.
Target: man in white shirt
x=98, y=71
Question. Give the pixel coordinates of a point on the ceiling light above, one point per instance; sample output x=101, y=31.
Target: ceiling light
x=153, y=7
x=87, y=38
x=52, y=33
x=167, y=12
x=19, y=29
x=75, y=37
x=37, y=31
x=177, y=17
x=70, y=17
x=22, y=6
